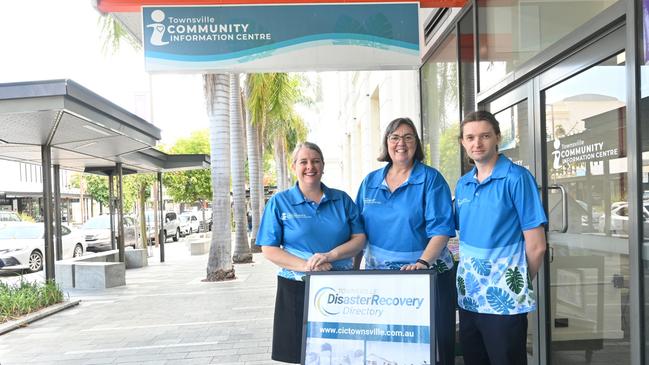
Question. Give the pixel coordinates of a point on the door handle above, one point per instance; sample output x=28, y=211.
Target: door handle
x=550, y=254
x=564, y=207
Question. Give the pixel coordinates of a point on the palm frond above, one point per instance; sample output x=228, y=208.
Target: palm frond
x=113, y=33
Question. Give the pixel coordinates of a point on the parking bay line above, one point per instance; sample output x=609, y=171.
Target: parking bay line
x=140, y=348
x=174, y=325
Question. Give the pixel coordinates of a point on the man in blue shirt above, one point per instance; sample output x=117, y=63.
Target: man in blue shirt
x=502, y=243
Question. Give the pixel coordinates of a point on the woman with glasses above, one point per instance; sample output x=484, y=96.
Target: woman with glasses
x=308, y=227
x=408, y=217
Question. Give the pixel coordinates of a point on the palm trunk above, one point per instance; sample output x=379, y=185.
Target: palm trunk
x=219, y=263
x=262, y=195
x=241, y=248
x=278, y=154
x=141, y=199
x=253, y=176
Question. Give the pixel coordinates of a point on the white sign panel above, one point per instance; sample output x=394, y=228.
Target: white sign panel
x=367, y=316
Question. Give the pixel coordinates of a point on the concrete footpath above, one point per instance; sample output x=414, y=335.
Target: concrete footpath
x=164, y=315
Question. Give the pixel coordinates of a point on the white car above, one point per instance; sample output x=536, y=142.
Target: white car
x=184, y=225
x=8, y=218
x=619, y=220
x=192, y=221
x=96, y=232
x=22, y=246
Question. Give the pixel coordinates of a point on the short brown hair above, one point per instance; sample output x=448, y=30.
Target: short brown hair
x=477, y=116
x=384, y=156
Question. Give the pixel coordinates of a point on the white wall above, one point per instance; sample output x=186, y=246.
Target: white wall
x=355, y=109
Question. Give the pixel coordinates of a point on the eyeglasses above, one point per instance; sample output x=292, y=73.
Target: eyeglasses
x=395, y=138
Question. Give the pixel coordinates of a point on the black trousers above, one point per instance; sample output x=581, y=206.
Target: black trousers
x=287, y=324
x=492, y=339
x=445, y=317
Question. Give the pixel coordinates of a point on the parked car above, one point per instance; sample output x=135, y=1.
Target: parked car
x=194, y=222
x=171, y=227
x=96, y=231
x=22, y=245
x=619, y=223
x=184, y=225
x=8, y=218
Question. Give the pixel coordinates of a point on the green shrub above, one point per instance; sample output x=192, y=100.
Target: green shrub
x=26, y=297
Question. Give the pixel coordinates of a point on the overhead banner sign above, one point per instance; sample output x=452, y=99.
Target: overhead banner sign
x=281, y=37
x=369, y=318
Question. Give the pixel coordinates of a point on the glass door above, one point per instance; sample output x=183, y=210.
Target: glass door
x=588, y=248
x=567, y=126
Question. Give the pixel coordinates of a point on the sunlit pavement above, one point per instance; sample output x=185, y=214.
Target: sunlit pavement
x=164, y=315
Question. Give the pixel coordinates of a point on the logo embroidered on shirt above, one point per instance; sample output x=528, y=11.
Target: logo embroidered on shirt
x=370, y=201
x=462, y=201
x=287, y=216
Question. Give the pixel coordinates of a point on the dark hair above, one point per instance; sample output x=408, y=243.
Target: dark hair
x=477, y=116
x=309, y=145
x=384, y=156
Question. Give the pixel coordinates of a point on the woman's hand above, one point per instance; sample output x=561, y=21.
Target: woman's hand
x=319, y=262
x=415, y=266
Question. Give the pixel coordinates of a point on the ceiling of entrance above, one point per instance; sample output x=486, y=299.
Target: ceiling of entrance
x=86, y=132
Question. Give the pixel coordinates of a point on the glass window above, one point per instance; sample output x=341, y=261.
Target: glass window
x=514, y=133
x=467, y=59
x=440, y=111
x=512, y=32
x=643, y=119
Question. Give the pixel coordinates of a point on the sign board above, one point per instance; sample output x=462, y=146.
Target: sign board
x=367, y=317
x=281, y=37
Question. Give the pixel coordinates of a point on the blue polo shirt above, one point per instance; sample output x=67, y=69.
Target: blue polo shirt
x=491, y=216
x=399, y=224
x=303, y=227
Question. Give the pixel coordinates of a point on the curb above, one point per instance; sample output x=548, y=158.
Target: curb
x=35, y=316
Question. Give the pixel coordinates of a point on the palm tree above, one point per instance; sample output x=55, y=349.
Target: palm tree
x=241, y=248
x=252, y=142
x=216, y=91
x=217, y=95
x=271, y=98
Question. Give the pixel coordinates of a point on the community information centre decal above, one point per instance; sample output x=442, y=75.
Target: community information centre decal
x=358, y=319
x=281, y=37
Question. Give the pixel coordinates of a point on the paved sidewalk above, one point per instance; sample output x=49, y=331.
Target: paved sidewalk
x=164, y=315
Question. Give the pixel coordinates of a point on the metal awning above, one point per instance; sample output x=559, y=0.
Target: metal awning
x=86, y=132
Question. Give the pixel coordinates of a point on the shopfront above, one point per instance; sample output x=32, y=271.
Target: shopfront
x=569, y=87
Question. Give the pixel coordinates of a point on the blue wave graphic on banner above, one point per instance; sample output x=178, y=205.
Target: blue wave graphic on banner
x=336, y=39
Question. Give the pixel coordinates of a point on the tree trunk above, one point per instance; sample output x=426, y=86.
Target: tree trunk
x=82, y=201
x=241, y=248
x=219, y=263
x=256, y=188
x=262, y=195
x=278, y=154
x=156, y=216
x=141, y=199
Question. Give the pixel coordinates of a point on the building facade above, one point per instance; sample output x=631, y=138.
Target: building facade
x=22, y=192
x=567, y=80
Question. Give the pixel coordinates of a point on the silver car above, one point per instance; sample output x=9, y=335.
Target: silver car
x=96, y=231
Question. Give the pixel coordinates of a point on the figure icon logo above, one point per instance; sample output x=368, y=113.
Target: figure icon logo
x=158, y=28
x=556, y=154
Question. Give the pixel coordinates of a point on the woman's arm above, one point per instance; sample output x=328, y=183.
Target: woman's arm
x=285, y=260
x=343, y=251
x=432, y=251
